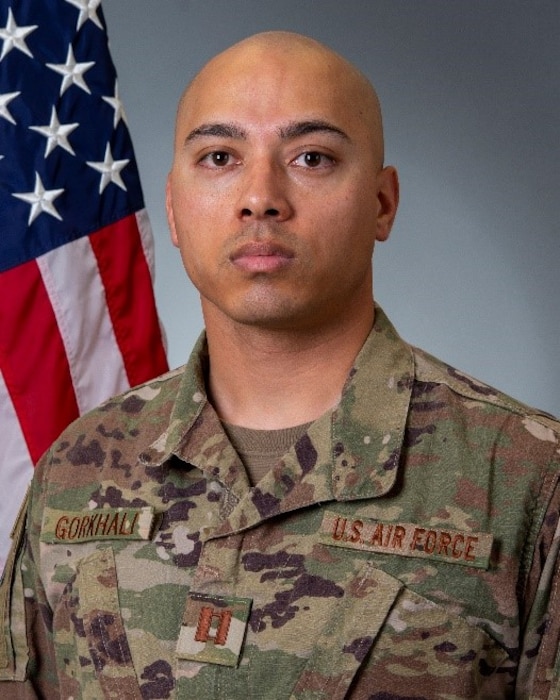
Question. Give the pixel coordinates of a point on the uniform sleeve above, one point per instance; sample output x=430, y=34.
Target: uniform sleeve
x=539, y=665
x=27, y=666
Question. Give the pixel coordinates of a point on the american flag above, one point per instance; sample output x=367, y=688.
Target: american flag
x=78, y=321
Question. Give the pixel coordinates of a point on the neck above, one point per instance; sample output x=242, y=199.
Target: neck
x=272, y=379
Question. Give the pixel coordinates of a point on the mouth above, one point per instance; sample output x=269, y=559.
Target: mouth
x=259, y=256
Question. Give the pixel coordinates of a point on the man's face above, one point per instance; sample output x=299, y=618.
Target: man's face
x=276, y=194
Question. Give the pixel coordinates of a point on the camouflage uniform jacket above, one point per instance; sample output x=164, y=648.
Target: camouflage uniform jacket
x=405, y=547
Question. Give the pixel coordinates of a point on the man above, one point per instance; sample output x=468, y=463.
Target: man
x=310, y=508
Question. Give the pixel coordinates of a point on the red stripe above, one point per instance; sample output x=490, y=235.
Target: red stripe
x=130, y=299
x=33, y=359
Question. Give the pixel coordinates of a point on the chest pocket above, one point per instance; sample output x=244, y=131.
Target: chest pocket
x=385, y=641
x=93, y=655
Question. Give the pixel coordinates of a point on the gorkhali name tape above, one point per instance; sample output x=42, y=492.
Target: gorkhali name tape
x=407, y=540
x=72, y=527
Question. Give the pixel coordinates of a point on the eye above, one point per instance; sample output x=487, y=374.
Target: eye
x=313, y=159
x=216, y=159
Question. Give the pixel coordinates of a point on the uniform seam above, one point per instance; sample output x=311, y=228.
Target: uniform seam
x=498, y=399
x=543, y=497
x=547, y=641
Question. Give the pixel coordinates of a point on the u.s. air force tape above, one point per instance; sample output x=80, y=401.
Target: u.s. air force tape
x=407, y=540
x=71, y=527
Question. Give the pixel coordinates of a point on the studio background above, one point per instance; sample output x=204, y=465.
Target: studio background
x=470, y=96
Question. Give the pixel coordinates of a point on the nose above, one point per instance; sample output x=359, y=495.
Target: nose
x=264, y=193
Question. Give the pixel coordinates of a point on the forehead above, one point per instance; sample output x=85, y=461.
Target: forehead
x=262, y=88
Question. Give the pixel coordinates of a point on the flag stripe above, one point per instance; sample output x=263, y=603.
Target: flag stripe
x=30, y=339
x=128, y=288
x=18, y=467
x=78, y=299
x=147, y=240
x=77, y=311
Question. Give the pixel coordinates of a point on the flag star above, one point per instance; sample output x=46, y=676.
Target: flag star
x=88, y=10
x=117, y=105
x=14, y=36
x=41, y=200
x=56, y=133
x=5, y=100
x=110, y=170
x=72, y=72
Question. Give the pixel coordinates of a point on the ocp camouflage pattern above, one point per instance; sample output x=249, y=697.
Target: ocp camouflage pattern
x=406, y=547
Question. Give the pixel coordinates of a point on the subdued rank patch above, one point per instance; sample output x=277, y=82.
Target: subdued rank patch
x=407, y=540
x=70, y=527
x=213, y=629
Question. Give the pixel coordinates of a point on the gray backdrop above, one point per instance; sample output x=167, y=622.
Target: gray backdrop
x=470, y=92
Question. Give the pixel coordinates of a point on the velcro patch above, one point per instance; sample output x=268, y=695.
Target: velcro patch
x=407, y=540
x=213, y=629
x=71, y=527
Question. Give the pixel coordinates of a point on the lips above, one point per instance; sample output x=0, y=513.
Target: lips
x=260, y=256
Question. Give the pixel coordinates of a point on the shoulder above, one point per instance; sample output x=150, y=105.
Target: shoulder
x=124, y=422
x=154, y=396
x=473, y=394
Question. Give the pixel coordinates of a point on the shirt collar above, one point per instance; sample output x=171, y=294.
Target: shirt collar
x=356, y=448
x=369, y=423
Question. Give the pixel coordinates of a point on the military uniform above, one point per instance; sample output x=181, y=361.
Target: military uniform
x=405, y=547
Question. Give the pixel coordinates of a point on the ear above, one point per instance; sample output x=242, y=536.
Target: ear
x=169, y=210
x=388, y=201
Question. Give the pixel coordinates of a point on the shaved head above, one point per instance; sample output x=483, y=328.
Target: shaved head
x=277, y=193
x=314, y=62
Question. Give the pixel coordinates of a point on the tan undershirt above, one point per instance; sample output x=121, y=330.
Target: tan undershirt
x=260, y=450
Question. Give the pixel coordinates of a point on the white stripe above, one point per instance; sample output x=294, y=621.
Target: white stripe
x=16, y=469
x=146, y=236
x=147, y=239
x=76, y=292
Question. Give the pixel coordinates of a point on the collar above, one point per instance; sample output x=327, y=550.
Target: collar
x=369, y=423
x=350, y=453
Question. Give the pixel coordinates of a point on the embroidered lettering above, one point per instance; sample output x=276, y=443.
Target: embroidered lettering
x=91, y=527
x=73, y=528
x=83, y=526
x=456, y=548
x=101, y=523
x=357, y=526
x=110, y=523
x=408, y=539
x=339, y=527
x=124, y=522
x=469, y=553
x=113, y=527
x=415, y=544
x=444, y=542
x=60, y=530
x=398, y=537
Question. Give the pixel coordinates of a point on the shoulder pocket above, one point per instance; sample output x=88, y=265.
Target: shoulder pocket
x=14, y=651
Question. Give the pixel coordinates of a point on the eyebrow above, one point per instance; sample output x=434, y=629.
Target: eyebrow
x=311, y=126
x=230, y=131
x=290, y=131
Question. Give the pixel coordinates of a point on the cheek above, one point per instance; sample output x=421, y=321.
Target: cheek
x=349, y=231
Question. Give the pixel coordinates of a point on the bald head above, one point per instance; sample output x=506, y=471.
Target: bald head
x=296, y=60
x=277, y=193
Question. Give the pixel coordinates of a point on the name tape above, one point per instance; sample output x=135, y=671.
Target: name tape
x=99, y=524
x=407, y=540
